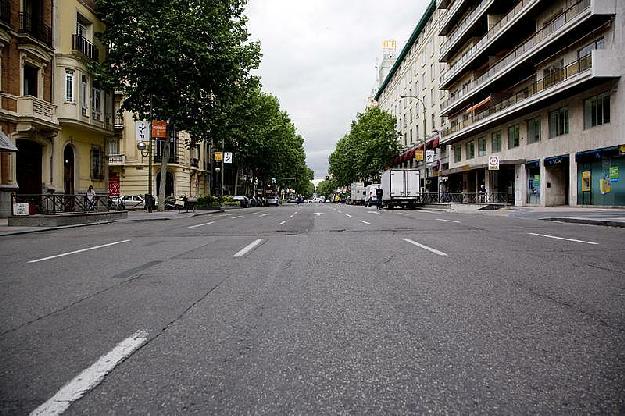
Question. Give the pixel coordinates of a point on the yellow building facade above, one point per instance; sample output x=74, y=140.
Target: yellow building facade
x=84, y=110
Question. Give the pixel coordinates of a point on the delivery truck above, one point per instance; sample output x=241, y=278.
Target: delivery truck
x=401, y=188
x=358, y=193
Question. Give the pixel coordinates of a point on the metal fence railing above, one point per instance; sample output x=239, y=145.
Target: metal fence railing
x=49, y=204
x=466, y=198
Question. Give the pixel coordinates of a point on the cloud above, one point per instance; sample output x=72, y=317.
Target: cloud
x=319, y=59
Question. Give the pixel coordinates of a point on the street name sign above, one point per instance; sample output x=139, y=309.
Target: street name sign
x=228, y=157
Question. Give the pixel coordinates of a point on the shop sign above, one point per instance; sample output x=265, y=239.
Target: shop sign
x=418, y=154
x=586, y=181
x=606, y=186
x=537, y=181
x=218, y=156
x=493, y=163
x=614, y=174
x=159, y=129
x=21, y=208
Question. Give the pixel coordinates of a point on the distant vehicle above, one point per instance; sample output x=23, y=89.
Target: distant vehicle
x=358, y=192
x=244, y=202
x=273, y=200
x=401, y=188
x=133, y=202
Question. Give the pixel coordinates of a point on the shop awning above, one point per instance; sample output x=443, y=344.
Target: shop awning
x=5, y=143
x=532, y=163
x=556, y=160
x=478, y=105
x=596, y=154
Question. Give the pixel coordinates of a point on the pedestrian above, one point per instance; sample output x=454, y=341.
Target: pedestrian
x=379, y=193
x=90, y=198
x=482, y=193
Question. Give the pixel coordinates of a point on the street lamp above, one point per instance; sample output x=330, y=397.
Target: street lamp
x=146, y=151
x=425, y=120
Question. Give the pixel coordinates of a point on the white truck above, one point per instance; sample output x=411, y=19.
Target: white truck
x=401, y=188
x=370, y=199
x=357, y=193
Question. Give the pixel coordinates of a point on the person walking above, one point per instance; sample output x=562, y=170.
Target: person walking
x=379, y=193
x=90, y=198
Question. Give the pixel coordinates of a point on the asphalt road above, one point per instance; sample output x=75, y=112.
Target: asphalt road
x=315, y=309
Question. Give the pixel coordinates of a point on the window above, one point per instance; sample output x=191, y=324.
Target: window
x=433, y=122
x=559, y=122
x=97, y=167
x=481, y=146
x=96, y=105
x=457, y=153
x=597, y=110
x=495, y=142
x=533, y=130
x=31, y=75
x=83, y=95
x=69, y=85
x=432, y=72
x=513, y=136
x=470, y=150
x=586, y=50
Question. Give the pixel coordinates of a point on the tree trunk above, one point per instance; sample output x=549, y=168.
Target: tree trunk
x=161, y=188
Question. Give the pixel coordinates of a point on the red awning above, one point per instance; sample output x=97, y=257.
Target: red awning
x=478, y=105
x=433, y=143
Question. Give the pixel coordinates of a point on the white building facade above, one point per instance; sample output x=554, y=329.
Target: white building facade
x=539, y=85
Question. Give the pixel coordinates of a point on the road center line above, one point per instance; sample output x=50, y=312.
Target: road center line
x=248, y=248
x=91, y=377
x=433, y=250
x=365, y=222
x=82, y=250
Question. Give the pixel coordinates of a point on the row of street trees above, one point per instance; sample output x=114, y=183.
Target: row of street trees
x=366, y=150
x=190, y=62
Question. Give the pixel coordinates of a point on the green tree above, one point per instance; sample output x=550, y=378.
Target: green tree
x=369, y=146
x=184, y=61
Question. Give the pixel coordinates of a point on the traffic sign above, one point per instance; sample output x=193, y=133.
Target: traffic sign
x=227, y=157
x=429, y=156
x=493, y=163
x=142, y=131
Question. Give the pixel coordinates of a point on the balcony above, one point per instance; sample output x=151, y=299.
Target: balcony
x=448, y=20
x=5, y=12
x=558, y=27
x=195, y=162
x=117, y=160
x=566, y=78
x=88, y=49
x=119, y=121
x=521, y=9
x=35, y=29
x=37, y=109
x=463, y=28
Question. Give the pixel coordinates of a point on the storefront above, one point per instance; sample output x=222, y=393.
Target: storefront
x=533, y=182
x=601, y=176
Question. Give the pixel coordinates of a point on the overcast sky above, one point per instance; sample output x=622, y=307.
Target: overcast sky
x=319, y=59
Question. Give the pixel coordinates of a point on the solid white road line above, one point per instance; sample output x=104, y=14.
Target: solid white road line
x=347, y=215
x=534, y=234
x=457, y=222
x=82, y=250
x=283, y=222
x=574, y=240
x=248, y=248
x=365, y=222
x=91, y=377
x=433, y=250
x=442, y=220
x=553, y=236
x=425, y=210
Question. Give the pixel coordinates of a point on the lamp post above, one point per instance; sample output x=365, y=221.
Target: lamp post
x=141, y=146
x=425, y=120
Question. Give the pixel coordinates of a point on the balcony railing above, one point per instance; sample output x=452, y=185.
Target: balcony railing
x=28, y=106
x=462, y=27
x=556, y=26
x=451, y=12
x=548, y=83
x=35, y=28
x=493, y=33
x=119, y=121
x=82, y=45
x=5, y=12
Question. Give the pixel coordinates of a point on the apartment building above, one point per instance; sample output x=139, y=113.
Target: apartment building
x=411, y=93
x=188, y=169
x=84, y=109
x=27, y=112
x=539, y=85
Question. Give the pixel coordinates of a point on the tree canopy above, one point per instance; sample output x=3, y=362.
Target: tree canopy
x=364, y=152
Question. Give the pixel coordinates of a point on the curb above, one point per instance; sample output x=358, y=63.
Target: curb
x=45, y=229
x=574, y=220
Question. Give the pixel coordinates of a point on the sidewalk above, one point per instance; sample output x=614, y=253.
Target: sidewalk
x=611, y=217
x=133, y=216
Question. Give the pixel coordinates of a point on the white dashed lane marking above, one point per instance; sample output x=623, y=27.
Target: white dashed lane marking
x=555, y=237
x=82, y=250
x=200, y=225
x=365, y=222
x=347, y=215
x=433, y=250
x=283, y=222
x=248, y=248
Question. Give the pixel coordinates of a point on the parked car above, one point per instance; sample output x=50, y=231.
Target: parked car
x=116, y=203
x=273, y=200
x=244, y=202
x=133, y=201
